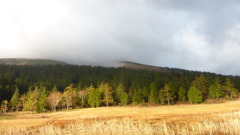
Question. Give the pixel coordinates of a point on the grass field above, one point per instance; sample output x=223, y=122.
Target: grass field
x=221, y=118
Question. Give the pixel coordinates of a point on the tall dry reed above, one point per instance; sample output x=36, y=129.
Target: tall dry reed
x=215, y=124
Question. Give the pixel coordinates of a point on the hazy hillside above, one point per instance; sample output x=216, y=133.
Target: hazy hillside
x=124, y=64
x=138, y=83
x=138, y=66
x=15, y=61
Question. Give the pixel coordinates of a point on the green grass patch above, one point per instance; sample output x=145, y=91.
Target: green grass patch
x=5, y=118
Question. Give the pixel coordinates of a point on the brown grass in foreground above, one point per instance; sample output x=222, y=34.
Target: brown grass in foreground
x=226, y=123
x=178, y=119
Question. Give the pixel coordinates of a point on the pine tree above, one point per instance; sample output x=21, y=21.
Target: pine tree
x=153, y=93
x=194, y=95
x=219, y=88
x=182, y=95
x=145, y=94
x=136, y=97
x=15, y=99
x=214, y=92
x=22, y=100
x=119, y=90
x=91, y=96
x=41, y=104
x=107, y=94
x=166, y=94
x=98, y=99
x=94, y=97
x=31, y=101
x=201, y=84
x=122, y=96
x=162, y=97
x=229, y=89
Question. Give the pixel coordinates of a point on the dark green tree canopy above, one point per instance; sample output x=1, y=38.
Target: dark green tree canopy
x=27, y=87
x=195, y=95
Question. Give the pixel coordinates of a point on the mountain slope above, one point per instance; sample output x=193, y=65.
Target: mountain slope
x=33, y=62
x=138, y=66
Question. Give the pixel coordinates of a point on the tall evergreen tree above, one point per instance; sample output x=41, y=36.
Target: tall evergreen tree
x=194, y=95
x=214, y=92
x=201, y=84
x=136, y=99
x=229, y=89
x=22, y=100
x=122, y=96
x=107, y=90
x=145, y=94
x=162, y=97
x=94, y=97
x=182, y=95
x=15, y=99
x=41, y=104
x=119, y=90
x=31, y=101
x=166, y=94
x=153, y=93
x=91, y=96
x=217, y=83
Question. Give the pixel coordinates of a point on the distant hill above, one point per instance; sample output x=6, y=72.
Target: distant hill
x=133, y=65
x=138, y=66
x=33, y=62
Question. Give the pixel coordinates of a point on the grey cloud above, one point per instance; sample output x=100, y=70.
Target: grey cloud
x=195, y=35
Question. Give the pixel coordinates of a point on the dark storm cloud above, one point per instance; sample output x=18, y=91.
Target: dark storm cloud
x=197, y=35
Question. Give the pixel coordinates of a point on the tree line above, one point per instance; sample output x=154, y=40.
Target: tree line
x=38, y=99
x=45, y=88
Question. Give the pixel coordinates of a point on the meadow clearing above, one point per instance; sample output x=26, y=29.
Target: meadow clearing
x=221, y=118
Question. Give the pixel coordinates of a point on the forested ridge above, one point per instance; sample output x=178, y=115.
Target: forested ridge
x=50, y=87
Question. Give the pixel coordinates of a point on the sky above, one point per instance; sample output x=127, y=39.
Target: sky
x=198, y=35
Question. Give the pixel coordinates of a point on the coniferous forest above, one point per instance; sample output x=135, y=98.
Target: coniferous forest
x=53, y=87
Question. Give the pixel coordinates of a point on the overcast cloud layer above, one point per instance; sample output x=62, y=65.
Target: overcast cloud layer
x=197, y=35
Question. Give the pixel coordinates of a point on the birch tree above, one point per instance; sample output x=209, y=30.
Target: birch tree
x=53, y=99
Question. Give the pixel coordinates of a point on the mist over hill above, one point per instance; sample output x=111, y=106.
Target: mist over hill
x=33, y=62
x=118, y=64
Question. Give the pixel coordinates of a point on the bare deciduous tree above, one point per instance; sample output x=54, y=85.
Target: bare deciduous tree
x=82, y=94
x=53, y=99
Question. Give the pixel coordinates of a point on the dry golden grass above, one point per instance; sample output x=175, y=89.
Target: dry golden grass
x=177, y=119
